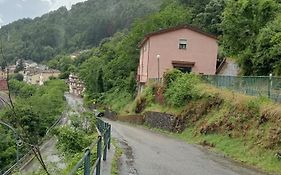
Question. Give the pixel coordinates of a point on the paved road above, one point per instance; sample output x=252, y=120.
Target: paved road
x=148, y=153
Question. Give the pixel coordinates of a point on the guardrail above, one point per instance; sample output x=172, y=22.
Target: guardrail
x=104, y=130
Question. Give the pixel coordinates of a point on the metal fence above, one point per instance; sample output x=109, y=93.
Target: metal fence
x=268, y=86
x=104, y=130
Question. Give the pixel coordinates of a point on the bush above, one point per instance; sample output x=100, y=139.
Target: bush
x=182, y=90
x=17, y=76
x=145, y=99
x=71, y=140
x=171, y=76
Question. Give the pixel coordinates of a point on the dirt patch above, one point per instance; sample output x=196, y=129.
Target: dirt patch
x=130, y=159
x=274, y=138
x=140, y=105
x=110, y=114
x=194, y=111
x=158, y=94
x=205, y=143
x=134, y=119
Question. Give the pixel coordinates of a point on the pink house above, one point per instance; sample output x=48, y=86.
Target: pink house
x=186, y=48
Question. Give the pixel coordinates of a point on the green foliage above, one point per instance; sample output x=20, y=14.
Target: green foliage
x=115, y=165
x=118, y=57
x=71, y=140
x=32, y=115
x=17, y=76
x=7, y=147
x=248, y=34
x=66, y=31
x=89, y=72
x=63, y=63
x=171, y=76
x=182, y=90
x=145, y=99
x=100, y=86
x=21, y=89
x=117, y=99
x=210, y=18
x=20, y=66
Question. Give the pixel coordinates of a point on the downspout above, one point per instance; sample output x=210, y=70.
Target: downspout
x=148, y=53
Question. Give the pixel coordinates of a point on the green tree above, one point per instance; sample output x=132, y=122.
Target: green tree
x=241, y=25
x=100, y=85
x=20, y=66
x=210, y=19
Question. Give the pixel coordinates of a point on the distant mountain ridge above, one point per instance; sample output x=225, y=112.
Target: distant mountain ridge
x=63, y=31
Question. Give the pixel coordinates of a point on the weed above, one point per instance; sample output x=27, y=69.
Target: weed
x=116, y=159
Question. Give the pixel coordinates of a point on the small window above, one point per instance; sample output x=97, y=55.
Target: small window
x=182, y=44
x=184, y=69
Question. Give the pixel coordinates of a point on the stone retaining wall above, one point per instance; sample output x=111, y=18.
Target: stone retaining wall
x=134, y=119
x=159, y=120
x=163, y=121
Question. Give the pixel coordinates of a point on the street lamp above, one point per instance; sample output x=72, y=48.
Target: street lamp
x=158, y=60
x=17, y=139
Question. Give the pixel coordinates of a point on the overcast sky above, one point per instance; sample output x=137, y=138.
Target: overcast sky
x=11, y=10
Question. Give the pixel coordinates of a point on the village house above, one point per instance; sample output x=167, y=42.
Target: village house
x=186, y=48
x=37, y=76
x=76, y=86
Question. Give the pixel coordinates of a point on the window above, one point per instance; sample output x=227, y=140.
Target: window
x=183, y=66
x=182, y=44
x=184, y=69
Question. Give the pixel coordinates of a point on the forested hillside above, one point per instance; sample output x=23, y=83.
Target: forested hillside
x=110, y=72
x=64, y=31
x=248, y=31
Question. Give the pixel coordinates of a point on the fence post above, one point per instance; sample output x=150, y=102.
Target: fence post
x=269, y=85
x=99, y=149
x=105, y=143
x=87, y=163
x=109, y=136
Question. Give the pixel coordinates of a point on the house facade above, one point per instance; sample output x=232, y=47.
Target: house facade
x=37, y=76
x=76, y=86
x=185, y=48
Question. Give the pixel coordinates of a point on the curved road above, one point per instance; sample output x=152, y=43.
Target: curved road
x=148, y=153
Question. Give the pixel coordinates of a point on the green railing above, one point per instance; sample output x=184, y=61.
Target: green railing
x=104, y=130
x=268, y=86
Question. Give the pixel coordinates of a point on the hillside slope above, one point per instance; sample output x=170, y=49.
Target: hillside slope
x=63, y=31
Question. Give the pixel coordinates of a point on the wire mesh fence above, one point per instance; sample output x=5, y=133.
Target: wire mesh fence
x=268, y=86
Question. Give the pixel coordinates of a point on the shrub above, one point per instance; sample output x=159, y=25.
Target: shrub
x=182, y=90
x=171, y=76
x=71, y=140
x=145, y=99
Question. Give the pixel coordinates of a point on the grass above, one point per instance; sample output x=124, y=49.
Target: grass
x=239, y=150
x=164, y=109
x=241, y=126
x=115, y=162
x=234, y=148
